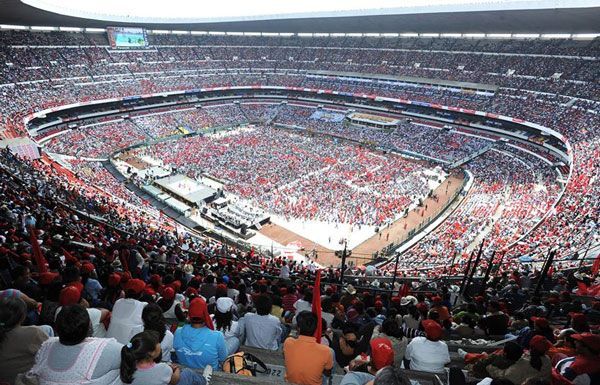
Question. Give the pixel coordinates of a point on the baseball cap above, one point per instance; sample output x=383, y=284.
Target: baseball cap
x=135, y=285
x=382, y=353
x=539, y=344
x=590, y=340
x=433, y=330
x=70, y=295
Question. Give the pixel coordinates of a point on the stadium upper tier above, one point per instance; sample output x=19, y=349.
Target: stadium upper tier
x=537, y=79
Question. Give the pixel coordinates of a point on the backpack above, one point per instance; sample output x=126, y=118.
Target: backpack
x=244, y=364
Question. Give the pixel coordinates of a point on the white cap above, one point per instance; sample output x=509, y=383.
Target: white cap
x=224, y=304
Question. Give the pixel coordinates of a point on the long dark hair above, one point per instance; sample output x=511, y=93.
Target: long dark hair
x=242, y=297
x=223, y=320
x=154, y=319
x=12, y=313
x=139, y=348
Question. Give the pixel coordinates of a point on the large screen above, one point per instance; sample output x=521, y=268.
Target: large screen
x=121, y=37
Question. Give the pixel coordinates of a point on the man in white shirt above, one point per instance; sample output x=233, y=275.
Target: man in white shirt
x=262, y=330
x=428, y=354
x=285, y=272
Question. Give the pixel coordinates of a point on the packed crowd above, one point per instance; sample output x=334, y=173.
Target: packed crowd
x=298, y=176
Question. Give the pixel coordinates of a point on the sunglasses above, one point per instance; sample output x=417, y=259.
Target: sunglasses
x=351, y=343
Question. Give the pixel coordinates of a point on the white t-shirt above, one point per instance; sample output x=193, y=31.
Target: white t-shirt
x=98, y=329
x=426, y=355
x=167, y=345
x=126, y=320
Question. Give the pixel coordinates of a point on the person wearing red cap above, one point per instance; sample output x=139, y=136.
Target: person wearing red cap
x=92, y=289
x=583, y=368
x=197, y=344
x=439, y=307
x=71, y=295
x=126, y=320
x=170, y=305
x=428, y=354
x=536, y=364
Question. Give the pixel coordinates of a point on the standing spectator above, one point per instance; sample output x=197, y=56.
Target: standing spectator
x=126, y=320
x=197, y=345
x=139, y=367
x=306, y=361
x=262, y=330
x=18, y=344
x=428, y=354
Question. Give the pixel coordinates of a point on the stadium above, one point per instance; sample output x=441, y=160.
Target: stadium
x=424, y=176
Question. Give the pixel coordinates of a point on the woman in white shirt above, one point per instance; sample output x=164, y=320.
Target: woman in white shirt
x=224, y=323
x=153, y=318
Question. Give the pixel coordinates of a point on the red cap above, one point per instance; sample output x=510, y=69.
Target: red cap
x=135, y=285
x=70, y=295
x=433, y=330
x=436, y=298
x=191, y=291
x=87, y=267
x=47, y=277
x=540, y=322
x=382, y=353
x=114, y=279
x=176, y=285
x=539, y=344
x=396, y=299
x=378, y=304
x=578, y=318
x=149, y=290
x=198, y=310
x=590, y=340
x=168, y=293
x=155, y=279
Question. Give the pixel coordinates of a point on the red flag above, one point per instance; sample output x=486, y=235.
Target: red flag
x=37, y=252
x=316, y=306
x=596, y=265
x=70, y=258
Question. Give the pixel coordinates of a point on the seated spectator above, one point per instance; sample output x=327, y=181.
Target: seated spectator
x=345, y=345
x=583, y=368
x=495, y=322
x=534, y=364
x=225, y=324
x=382, y=356
x=262, y=330
x=170, y=306
x=126, y=320
x=139, y=366
x=306, y=361
x=466, y=327
x=71, y=295
x=428, y=354
x=154, y=319
x=390, y=330
x=196, y=344
x=502, y=359
x=73, y=358
x=18, y=344
x=390, y=375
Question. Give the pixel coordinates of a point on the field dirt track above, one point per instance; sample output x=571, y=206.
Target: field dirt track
x=363, y=252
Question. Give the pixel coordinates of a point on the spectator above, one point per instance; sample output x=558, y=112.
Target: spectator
x=390, y=375
x=390, y=330
x=153, y=319
x=73, y=358
x=345, y=345
x=196, y=344
x=139, y=367
x=71, y=295
x=428, y=354
x=495, y=322
x=306, y=360
x=535, y=364
x=262, y=330
x=18, y=344
x=126, y=320
x=583, y=368
x=225, y=324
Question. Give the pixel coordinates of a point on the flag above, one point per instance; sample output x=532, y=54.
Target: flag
x=70, y=258
x=316, y=306
x=37, y=252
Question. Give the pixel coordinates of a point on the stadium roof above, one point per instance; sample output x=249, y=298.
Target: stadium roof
x=384, y=16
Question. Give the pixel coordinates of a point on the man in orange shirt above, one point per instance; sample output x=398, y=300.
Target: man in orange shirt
x=306, y=361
